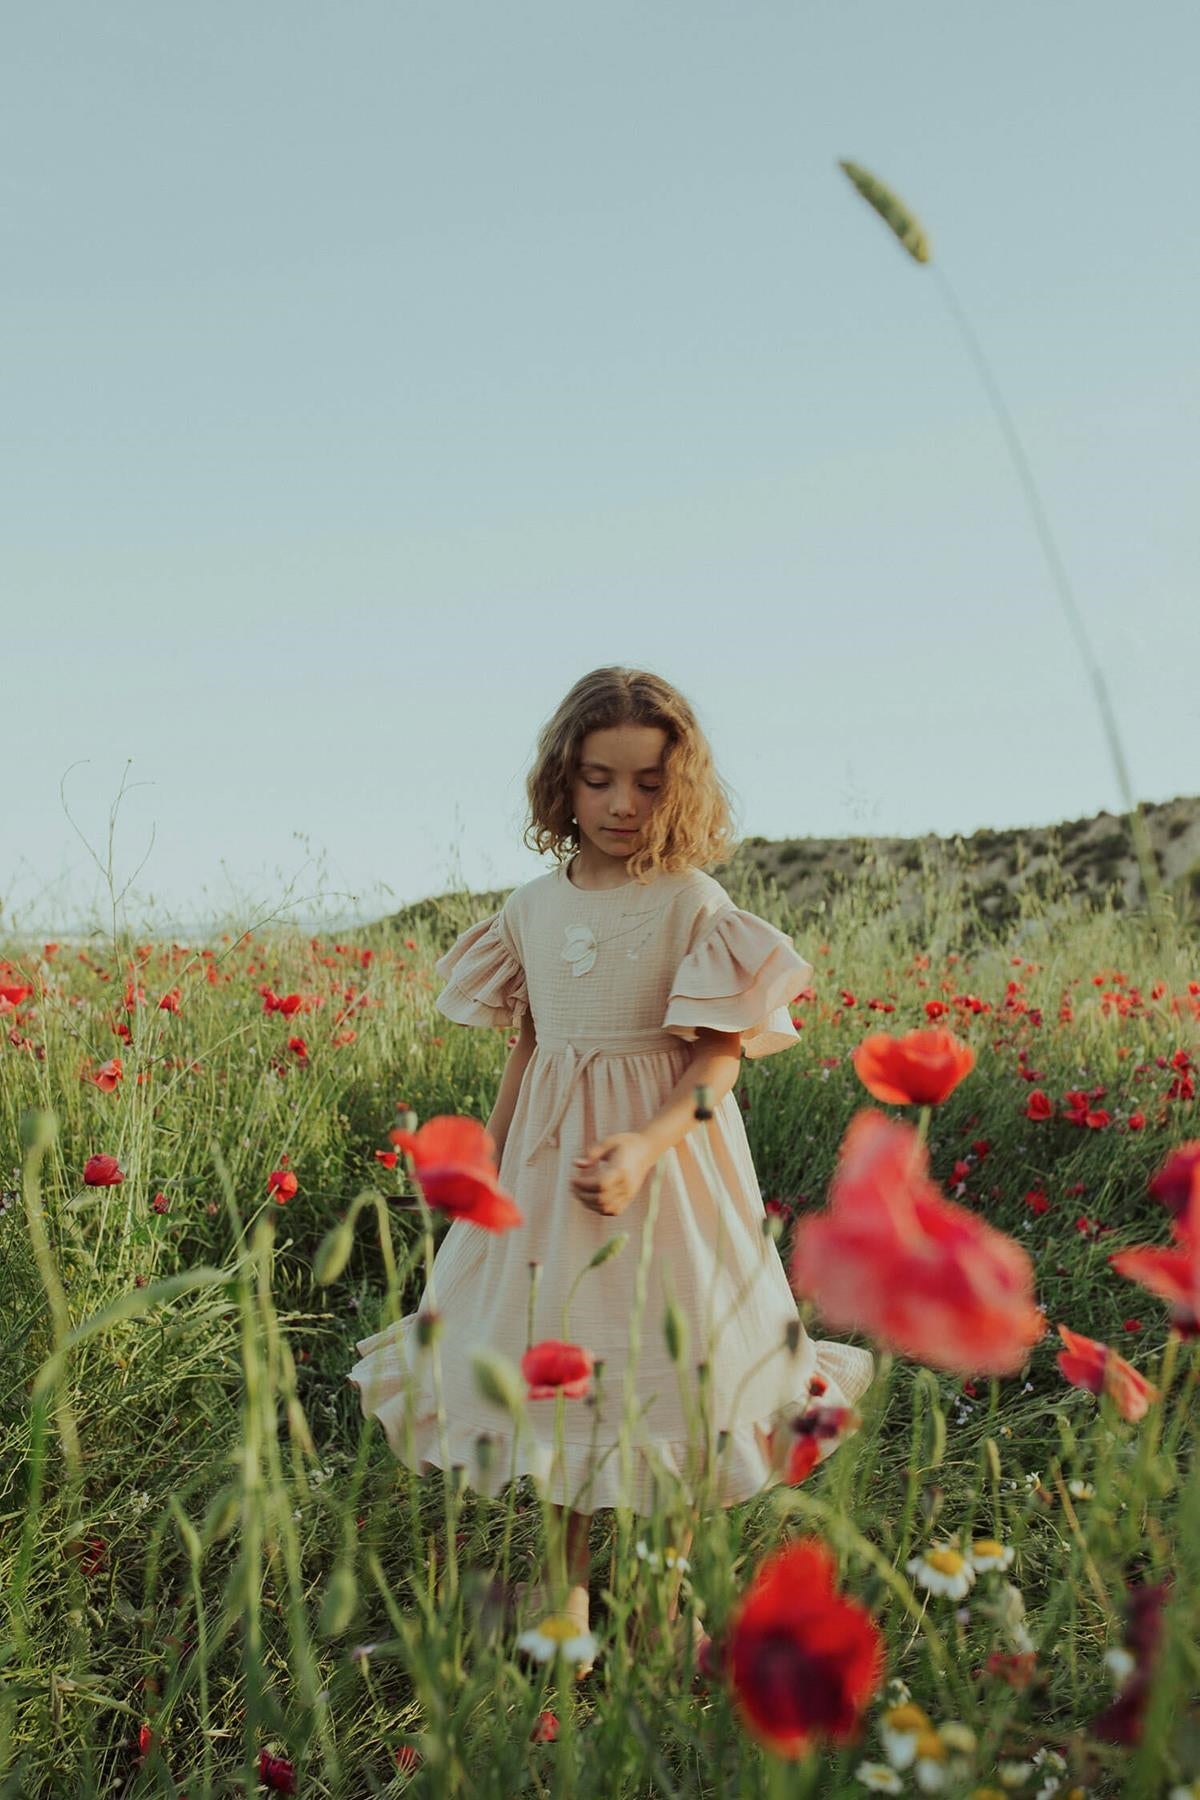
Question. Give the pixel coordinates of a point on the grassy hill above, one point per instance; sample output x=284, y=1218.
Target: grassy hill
x=998, y=876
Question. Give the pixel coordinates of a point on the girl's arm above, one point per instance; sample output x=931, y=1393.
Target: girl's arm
x=514, y=1069
x=716, y=1062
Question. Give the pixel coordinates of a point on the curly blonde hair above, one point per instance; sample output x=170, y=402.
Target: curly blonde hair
x=691, y=824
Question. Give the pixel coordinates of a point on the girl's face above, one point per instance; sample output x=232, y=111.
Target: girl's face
x=614, y=793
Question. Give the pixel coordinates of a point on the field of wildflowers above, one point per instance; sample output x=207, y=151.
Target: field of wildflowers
x=218, y=1171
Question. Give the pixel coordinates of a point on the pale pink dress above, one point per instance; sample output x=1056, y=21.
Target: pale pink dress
x=617, y=981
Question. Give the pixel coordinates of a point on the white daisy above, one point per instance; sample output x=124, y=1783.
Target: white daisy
x=929, y=1766
x=1014, y=1774
x=879, y=1778
x=1080, y=1490
x=899, y=1728
x=557, y=1633
x=1119, y=1663
x=942, y=1570
x=990, y=1553
x=653, y=1560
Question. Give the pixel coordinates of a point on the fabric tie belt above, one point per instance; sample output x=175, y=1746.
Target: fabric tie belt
x=573, y=1059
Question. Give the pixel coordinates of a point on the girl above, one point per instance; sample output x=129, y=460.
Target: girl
x=632, y=980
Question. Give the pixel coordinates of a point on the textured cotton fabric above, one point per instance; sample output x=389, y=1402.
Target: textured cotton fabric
x=618, y=982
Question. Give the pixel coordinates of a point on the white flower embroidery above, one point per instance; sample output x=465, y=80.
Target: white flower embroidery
x=580, y=949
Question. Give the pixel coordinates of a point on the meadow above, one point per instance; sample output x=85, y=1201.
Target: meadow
x=215, y=1578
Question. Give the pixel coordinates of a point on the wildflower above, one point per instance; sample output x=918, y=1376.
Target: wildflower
x=102, y=1171
x=1017, y=1668
x=1172, y=1184
x=545, y=1728
x=929, y=1763
x=922, y=1068
x=923, y=1275
x=1014, y=1774
x=879, y=1778
x=454, y=1166
x=804, y=1659
x=109, y=1074
x=277, y=1773
x=1123, y=1720
x=942, y=1570
x=989, y=1553
x=653, y=1560
x=552, y=1367
x=558, y=1633
x=283, y=1184
x=408, y=1758
x=1039, y=1106
x=1093, y=1366
x=817, y=1426
x=160, y=1204
x=899, y=1728
x=1080, y=1490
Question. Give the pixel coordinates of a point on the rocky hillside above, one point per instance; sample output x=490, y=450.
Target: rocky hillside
x=1085, y=861
x=994, y=875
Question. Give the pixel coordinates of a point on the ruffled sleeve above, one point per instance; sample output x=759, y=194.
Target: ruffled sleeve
x=741, y=976
x=485, y=982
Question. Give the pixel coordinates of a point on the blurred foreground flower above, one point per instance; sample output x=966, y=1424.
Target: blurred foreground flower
x=1172, y=1274
x=917, y=1272
x=804, y=1660
x=922, y=1068
x=552, y=1367
x=454, y=1166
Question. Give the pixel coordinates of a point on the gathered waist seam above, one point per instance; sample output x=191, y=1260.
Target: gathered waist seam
x=626, y=1043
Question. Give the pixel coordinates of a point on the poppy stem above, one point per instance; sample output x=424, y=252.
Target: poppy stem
x=923, y=1124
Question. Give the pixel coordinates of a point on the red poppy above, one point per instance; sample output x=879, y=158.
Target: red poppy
x=408, y=1758
x=1093, y=1366
x=170, y=1001
x=1017, y=1668
x=1172, y=1274
x=277, y=1773
x=298, y=1047
x=160, y=1203
x=804, y=1660
x=919, y=1273
x=454, y=1164
x=803, y=1437
x=1173, y=1182
x=388, y=1158
x=545, y=1728
x=552, y=1366
x=11, y=997
x=1039, y=1106
x=102, y=1171
x=919, y=1069
x=109, y=1074
x=283, y=1184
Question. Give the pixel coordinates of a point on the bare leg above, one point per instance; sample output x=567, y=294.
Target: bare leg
x=577, y=1549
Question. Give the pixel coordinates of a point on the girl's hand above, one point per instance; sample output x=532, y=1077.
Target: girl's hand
x=609, y=1177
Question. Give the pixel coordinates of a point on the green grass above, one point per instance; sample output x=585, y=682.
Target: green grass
x=200, y=1534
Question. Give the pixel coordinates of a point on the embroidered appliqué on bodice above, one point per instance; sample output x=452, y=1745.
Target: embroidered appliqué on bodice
x=582, y=943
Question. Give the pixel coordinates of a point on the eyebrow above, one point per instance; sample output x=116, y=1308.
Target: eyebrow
x=654, y=769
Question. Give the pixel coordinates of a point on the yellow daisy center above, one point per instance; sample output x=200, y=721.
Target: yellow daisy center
x=988, y=1547
x=931, y=1747
x=558, y=1629
x=946, y=1562
x=906, y=1718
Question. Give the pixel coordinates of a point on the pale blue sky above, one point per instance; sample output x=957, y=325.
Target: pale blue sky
x=372, y=371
